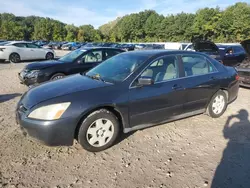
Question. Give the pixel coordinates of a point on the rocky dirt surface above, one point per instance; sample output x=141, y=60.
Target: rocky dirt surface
x=185, y=153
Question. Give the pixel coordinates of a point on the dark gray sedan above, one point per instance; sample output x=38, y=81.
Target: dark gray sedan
x=130, y=91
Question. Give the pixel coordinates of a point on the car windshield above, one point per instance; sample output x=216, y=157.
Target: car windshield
x=72, y=56
x=117, y=68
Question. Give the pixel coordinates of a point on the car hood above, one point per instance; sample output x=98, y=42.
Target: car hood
x=246, y=45
x=43, y=64
x=205, y=46
x=53, y=89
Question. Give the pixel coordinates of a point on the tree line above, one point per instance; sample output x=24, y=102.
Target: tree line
x=229, y=25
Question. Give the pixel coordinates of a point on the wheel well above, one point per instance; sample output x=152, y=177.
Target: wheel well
x=57, y=73
x=221, y=89
x=225, y=91
x=14, y=53
x=109, y=108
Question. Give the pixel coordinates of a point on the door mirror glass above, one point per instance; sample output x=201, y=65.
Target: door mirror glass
x=145, y=81
x=79, y=61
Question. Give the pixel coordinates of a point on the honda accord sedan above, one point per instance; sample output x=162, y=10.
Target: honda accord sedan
x=130, y=91
x=80, y=60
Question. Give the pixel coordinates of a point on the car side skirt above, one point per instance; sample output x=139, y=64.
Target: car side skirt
x=144, y=126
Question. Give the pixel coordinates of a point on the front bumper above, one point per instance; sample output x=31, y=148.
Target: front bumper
x=32, y=81
x=51, y=133
x=244, y=81
x=27, y=81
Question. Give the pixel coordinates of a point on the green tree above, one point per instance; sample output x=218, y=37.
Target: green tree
x=71, y=32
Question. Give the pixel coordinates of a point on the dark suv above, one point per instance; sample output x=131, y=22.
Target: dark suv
x=232, y=55
x=78, y=61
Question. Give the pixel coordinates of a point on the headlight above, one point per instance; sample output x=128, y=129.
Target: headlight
x=32, y=74
x=50, y=112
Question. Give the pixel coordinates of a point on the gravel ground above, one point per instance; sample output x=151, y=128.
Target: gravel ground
x=185, y=153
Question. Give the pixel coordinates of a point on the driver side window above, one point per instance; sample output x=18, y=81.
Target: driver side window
x=163, y=69
x=93, y=56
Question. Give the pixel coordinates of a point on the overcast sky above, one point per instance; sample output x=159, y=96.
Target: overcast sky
x=98, y=12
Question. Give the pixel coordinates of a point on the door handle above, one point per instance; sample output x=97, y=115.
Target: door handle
x=212, y=78
x=176, y=87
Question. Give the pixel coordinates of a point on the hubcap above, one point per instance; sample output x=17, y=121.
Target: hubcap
x=49, y=56
x=218, y=104
x=57, y=77
x=15, y=58
x=100, y=132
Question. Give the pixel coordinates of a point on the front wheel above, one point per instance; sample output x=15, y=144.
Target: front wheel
x=49, y=56
x=14, y=58
x=99, y=131
x=57, y=76
x=217, y=105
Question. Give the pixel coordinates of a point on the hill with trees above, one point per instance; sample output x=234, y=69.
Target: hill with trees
x=229, y=25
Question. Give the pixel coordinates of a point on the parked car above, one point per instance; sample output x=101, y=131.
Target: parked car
x=206, y=47
x=50, y=45
x=130, y=91
x=77, y=61
x=71, y=46
x=18, y=51
x=139, y=46
x=232, y=55
x=41, y=43
x=244, y=68
x=127, y=47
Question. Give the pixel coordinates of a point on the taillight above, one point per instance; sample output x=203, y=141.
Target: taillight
x=237, y=77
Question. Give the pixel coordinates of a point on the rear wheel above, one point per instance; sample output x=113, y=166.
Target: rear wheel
x=49, y=56
x=99, y=131
x=217, y=105
x=14, y=58
x=57, y=76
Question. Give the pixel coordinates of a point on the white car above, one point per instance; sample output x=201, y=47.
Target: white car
x=18, y=51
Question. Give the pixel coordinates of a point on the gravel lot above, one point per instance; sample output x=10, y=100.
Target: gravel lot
x=185, y=153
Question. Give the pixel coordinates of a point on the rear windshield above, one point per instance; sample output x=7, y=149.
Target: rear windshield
x=206, y=47
x=4, y=43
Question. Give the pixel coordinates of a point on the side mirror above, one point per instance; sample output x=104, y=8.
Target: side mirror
x=80, y=61
x=145, y=81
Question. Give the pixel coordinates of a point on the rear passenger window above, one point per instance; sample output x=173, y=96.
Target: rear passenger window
x=196, y=65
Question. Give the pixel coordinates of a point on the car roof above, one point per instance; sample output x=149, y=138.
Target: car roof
x=100, y=48
x=16, y=42
x=161, y=52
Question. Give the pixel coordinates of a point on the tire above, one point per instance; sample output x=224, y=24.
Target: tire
x=102, y=137
x=57, y=76
x=49, y=56
x=14, y=58
x=217, y=105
